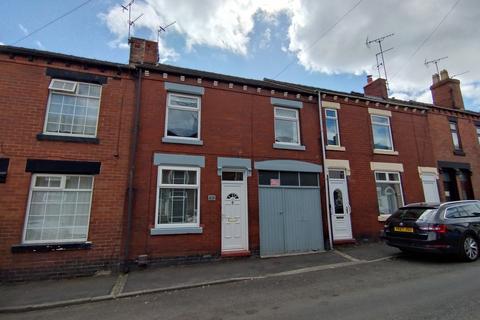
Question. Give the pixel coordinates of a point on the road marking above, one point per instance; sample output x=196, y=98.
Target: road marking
x=346, y=256
x=117, y=288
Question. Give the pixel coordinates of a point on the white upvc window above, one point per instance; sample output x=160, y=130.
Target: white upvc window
x=382, y=133
x=183, y=116
x=58, y=208
x=478, y=133
x=287, y=126
x=178, y=197
x=389, y=191
x=333, y=134
x=73, y=108
x=455, y=138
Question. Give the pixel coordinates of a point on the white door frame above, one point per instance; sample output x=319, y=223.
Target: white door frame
x=245, y=242
x=430, y=178
x=346, y=204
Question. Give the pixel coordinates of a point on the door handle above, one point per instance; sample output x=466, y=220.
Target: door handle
x=349, y=209
x=281, y=212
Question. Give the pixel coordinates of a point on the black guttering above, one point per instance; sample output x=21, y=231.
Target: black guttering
x=61, y=57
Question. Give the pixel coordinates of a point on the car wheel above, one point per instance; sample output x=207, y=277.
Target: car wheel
x=469, y=248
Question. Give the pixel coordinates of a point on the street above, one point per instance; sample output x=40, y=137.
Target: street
x=405, y=287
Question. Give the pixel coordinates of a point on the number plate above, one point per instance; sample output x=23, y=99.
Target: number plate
x=403, y=229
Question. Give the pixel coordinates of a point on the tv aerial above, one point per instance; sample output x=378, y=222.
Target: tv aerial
x=163, y=29
x=128, y=7
x=435, y=61
x=380, y=55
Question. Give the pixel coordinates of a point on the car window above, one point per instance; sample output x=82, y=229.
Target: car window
x=414, y=213
x=465, y=211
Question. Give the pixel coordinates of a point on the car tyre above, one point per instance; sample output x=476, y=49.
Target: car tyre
x=469, y=248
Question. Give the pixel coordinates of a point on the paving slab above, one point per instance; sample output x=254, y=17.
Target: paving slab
x=184, y=275
x=38, y=292
x=368, y=251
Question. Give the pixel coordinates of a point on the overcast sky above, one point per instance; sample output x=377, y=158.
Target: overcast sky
x=315, y=42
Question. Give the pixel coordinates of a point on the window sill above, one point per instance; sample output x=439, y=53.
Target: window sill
x=459, y=153
x=335, y=148
x=288, y=147
x=49, y=137
x=386, y=152
x=179, y=230
x=182, y=141
x=47, y=247
x=383, y=217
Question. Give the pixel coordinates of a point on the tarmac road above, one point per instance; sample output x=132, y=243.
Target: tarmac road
x=407, y=287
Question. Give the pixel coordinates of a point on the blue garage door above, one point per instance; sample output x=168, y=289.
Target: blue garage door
x=290, y=213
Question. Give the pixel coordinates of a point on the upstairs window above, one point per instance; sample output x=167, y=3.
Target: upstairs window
x=455, y=137
x=183, y=116
x=382, y=134
x=287, y=129
x=478, y=133
x=331, y=120
x=73, y=108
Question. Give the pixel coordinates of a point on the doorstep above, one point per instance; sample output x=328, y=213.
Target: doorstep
x=345, y=241
x=232, y=254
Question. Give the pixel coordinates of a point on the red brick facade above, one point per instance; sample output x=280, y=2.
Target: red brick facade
x=23, y=103
x=237, y=121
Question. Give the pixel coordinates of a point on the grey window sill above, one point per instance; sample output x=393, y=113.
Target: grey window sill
x=179, y=230
x=48, y=137
x=288, y=147
x=459, y=153
x=182, y=141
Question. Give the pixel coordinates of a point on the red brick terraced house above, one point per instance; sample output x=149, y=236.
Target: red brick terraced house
x=64, y=155
x=225, y=165
x=377, y=152
x=105, y=165
x=455, y=139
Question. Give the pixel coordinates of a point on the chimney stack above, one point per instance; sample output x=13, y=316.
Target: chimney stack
x=143, y=51
x=376, y=88
x=446, y=91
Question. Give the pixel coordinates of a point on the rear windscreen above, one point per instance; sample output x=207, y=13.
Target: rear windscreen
x=414, y=213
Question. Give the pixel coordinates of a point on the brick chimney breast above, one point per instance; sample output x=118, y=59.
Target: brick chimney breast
x=446, y=91
x=376, y=88
x=143, y=51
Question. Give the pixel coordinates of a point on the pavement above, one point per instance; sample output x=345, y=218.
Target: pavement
x=36, y=295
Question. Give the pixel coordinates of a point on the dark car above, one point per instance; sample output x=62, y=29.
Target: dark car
x=450, y=227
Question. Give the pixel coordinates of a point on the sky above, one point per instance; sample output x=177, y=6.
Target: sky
x=320, y=43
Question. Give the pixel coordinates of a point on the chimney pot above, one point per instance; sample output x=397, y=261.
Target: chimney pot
x=435, y=78
x=369, y=78
x=443, y=74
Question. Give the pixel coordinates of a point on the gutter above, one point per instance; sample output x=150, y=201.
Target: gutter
x=131, y=172
x=325, y=170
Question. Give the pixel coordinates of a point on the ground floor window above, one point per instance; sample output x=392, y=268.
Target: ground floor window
x=59, y=208
x=389, y=191
x=178, y=197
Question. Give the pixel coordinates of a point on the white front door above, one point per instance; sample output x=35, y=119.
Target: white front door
x=340, y=206
x=430, y=188
x=234, y=212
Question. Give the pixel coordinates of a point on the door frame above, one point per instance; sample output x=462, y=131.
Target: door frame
x=435, y=179
x=347, y=208
x=244, y=183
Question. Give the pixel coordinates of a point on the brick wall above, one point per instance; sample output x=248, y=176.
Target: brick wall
x=234, y=123
x=23, y=103
x=442, y=144
x=410, y=138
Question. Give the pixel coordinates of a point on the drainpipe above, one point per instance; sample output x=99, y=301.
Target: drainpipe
x=131, y=172
x=325, y=171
